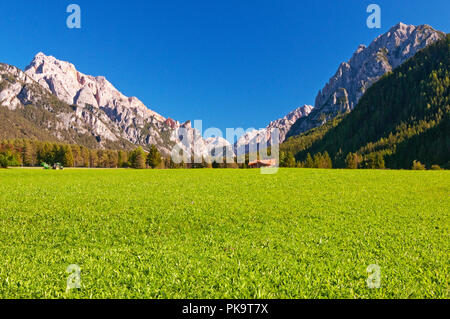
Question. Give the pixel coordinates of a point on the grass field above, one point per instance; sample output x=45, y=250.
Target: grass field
x=224, y=233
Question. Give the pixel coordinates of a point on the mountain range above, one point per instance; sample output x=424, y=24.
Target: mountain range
x=52, y=100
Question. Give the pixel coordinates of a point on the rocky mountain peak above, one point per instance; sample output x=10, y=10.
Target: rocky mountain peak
x=365, y=67
x=73, y=87
x=263, y=135
x=90, y=108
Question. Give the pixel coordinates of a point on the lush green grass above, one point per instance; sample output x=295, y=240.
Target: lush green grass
x=224, y=233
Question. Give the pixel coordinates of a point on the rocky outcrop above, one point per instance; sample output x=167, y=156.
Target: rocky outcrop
x=13, y=88
x=263, y=136
x=342, y=93
x=41, y=110
x=129, y=116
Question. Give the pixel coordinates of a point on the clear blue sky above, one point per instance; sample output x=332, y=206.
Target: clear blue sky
x=231, y=63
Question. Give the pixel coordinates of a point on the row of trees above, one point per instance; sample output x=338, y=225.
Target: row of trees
x=319, y=160
x=371, y=161
x=32, y=153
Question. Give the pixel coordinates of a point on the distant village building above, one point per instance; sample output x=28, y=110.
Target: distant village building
x=263, y=163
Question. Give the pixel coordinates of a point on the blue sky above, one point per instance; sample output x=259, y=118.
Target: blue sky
x=229, y=63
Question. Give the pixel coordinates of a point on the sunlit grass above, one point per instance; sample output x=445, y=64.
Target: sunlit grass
x=224, y=233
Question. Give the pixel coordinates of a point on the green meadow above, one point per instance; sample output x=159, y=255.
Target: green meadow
x=301, y=233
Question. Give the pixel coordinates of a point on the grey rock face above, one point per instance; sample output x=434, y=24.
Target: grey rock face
x=126, y=117
x=18, y=92
x=285, y=123
x=97, y=108
x=342, y=93
x=99, y=105
x=263, y=136
x=13, y=81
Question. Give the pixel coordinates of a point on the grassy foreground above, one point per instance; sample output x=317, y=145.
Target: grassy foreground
x=224, y=233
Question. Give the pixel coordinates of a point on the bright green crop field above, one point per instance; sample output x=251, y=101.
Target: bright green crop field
x=301, y=233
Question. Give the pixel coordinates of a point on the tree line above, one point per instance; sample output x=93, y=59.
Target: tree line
x=33, y=153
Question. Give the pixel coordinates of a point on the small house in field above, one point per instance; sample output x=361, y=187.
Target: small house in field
x=263, y=163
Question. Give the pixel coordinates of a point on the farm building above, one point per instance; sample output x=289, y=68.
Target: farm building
x=263, y=163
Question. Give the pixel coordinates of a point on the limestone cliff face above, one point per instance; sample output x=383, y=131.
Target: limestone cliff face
x=30, y=103
x=110, y=114
x=343, y=91
x=264, y=135
x=129, y=117
x=13, y=86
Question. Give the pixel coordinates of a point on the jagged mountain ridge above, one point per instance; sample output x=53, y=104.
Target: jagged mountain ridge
x=33, y=110
x=126, y=117
x=29, y=111
x=101, y=112
x=112, y=116
x=343, y=91
x=264, y=135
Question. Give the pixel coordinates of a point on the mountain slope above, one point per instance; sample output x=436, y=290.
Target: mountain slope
x=263, y=135
x=114, y=117
x=403, y=117
x=124, y=117
x=29, y=111
x=52, y=101
x=366, y=66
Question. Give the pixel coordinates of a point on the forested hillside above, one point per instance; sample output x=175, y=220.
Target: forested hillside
x=402, y=118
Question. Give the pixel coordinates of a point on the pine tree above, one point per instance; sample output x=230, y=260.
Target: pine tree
x=28, y=154
x=379, y=161
x=85, y=156
x=93, y=158
x=290, y=160
x=137, y=158
x=317, y=160
x=351, y=161
x=77, y=159
x=282, y=159
x=122, y=160
x=67, y=156
x=45, y=153
x=375, y=161
x=57, y=154
x=113, y=159
x=309, y=163
x=154, y=157
x=326, y=161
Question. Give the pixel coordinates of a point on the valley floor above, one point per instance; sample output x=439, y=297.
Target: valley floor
x=301, y=233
